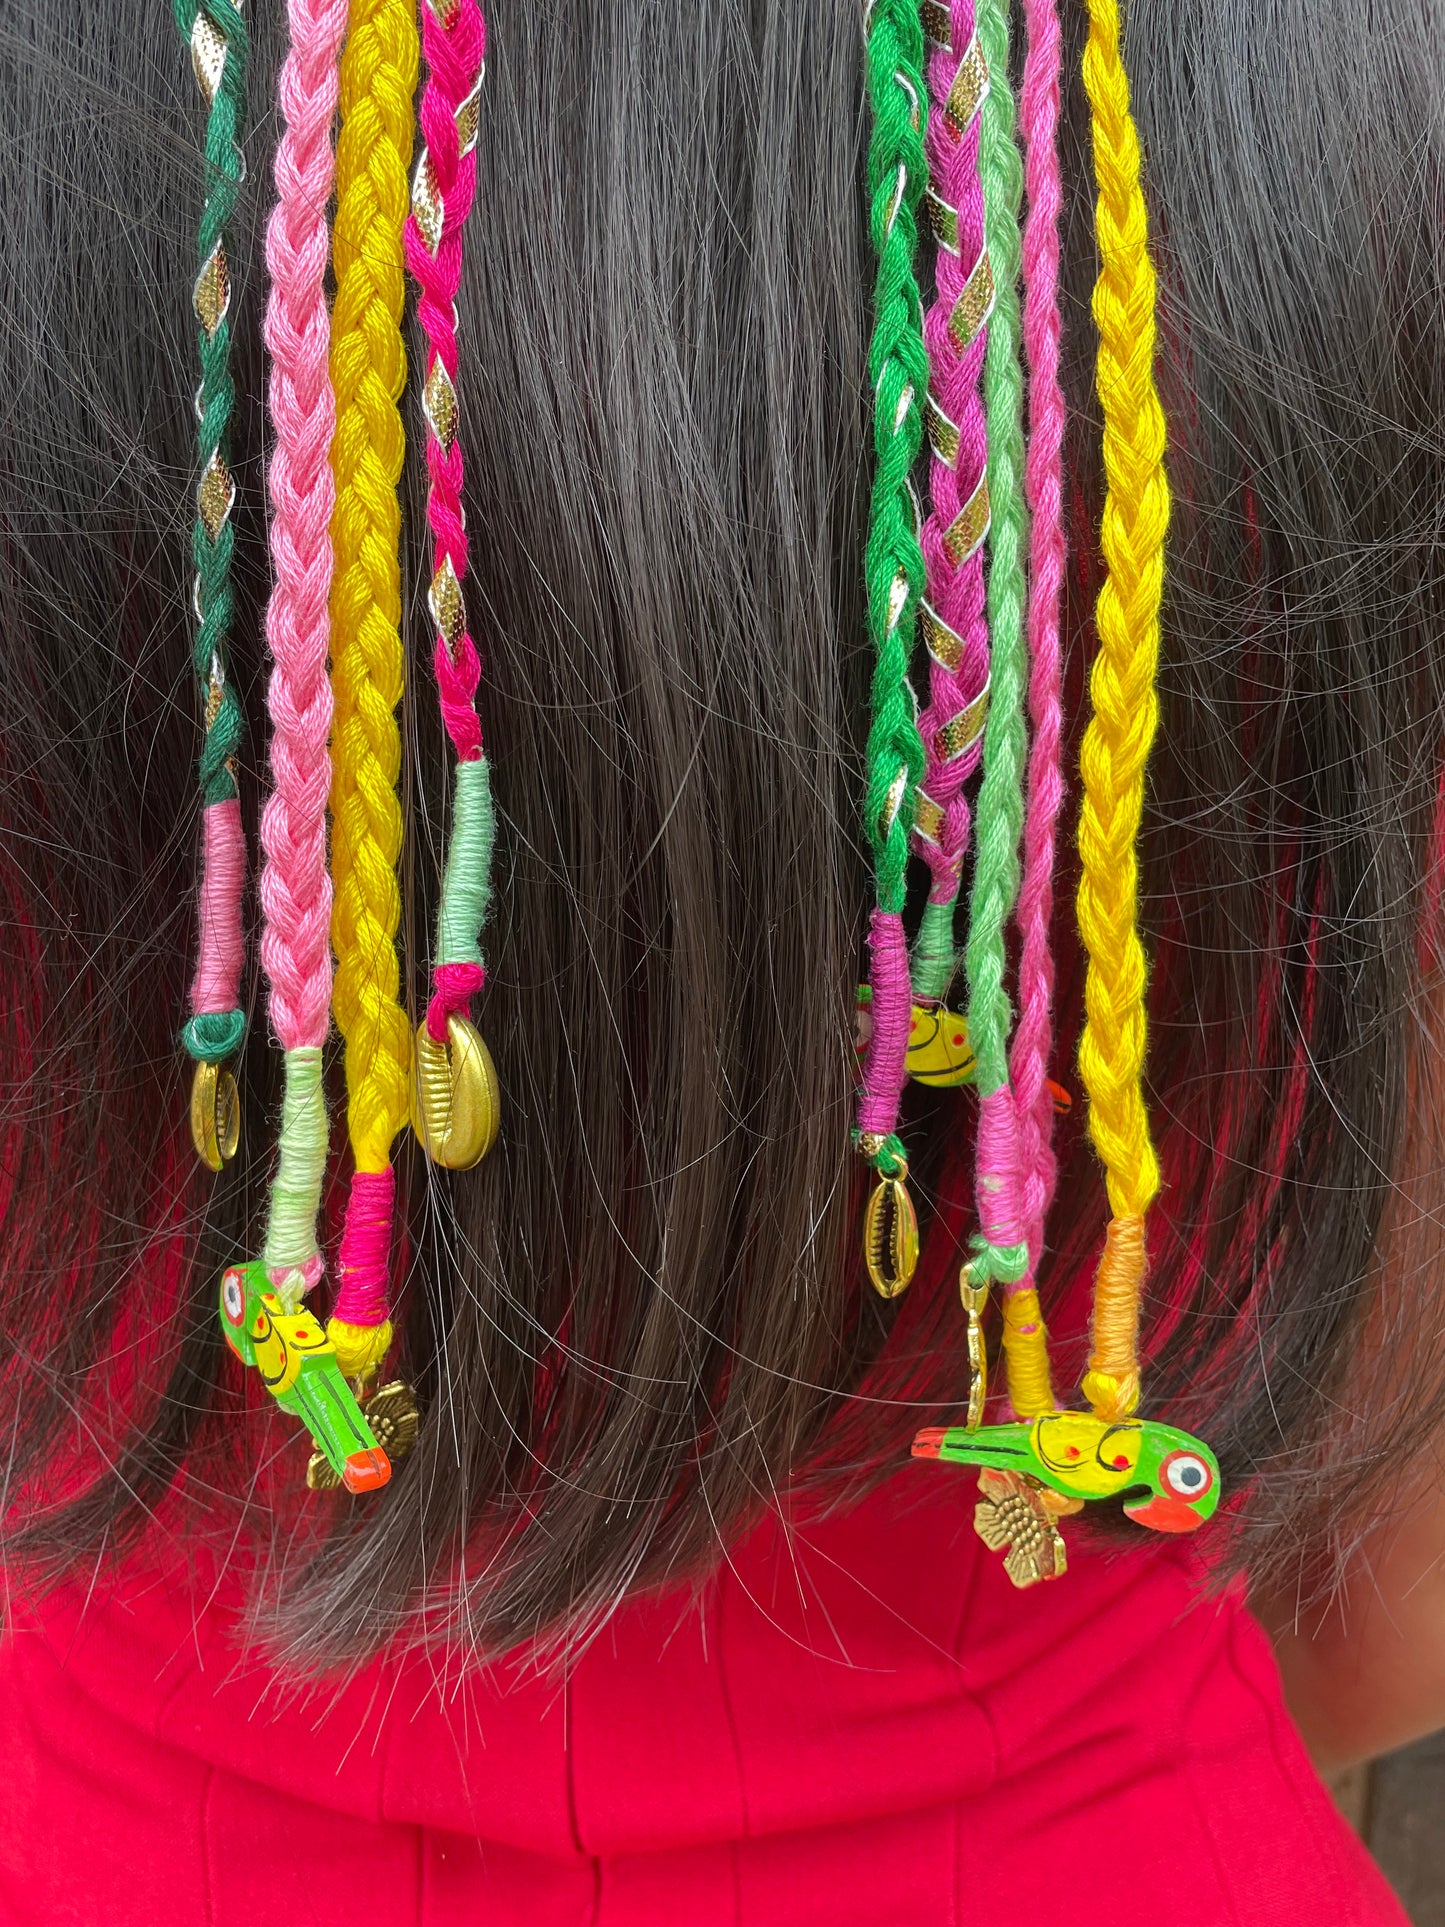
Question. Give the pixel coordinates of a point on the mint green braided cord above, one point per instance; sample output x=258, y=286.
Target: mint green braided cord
x=898, y=367
x=1000, y=800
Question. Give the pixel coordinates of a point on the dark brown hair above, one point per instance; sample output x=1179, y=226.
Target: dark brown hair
x=643, y=1315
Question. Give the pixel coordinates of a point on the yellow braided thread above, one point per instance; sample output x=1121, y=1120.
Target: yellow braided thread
x=1116, y=743
x=1026, y=1355
x=368, y=369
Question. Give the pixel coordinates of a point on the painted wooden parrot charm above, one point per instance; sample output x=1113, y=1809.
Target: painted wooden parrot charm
x=297, y=1364
x=1050, y=1466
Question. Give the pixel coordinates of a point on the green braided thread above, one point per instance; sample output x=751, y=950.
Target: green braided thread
x=897, y=361
x=214, y=598
x=1000, y=800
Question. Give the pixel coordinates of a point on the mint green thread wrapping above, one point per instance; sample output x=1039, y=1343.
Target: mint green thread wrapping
x=291, y=1247
x=935, y=955
x=467, y=884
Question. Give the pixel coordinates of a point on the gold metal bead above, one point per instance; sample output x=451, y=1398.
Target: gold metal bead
x=942, y=433
x=212, y=293
x=927, y=817
x=439, y=404
x=456, y=1104
x=943, y=219
x=445, y=600
x=974, y=306
x=890, y=1238
x=968, y=528
x=969, y=89
x=961, y=732
x=215, y=496
x=208, y=55
x=945, y=645
x=215, y=1115
x=468, y=120
x=937, y=22
x=893, y=802
x=426, y=203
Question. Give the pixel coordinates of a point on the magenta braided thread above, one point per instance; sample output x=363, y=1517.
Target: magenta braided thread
x=954, y=624
x=295, y=883
x=1043, y=491
x=443, y=189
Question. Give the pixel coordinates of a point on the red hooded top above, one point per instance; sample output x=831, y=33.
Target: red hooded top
x=859, y=1723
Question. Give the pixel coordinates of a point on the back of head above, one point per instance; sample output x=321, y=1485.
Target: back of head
x=642, y=1319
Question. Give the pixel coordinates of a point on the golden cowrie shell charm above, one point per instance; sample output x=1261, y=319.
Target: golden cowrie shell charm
x=456, y=1104
x=890, y=1238
x=215, y=1115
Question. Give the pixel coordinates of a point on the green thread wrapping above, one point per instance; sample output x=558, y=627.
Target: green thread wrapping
x=466, y=885
x=222, y=27
x=935, y=954
x=898, y=368
x=214, y=1035
x=300, y=1169
x=1000, y=800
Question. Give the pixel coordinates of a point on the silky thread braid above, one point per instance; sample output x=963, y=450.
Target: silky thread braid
x=295, y=884
x=956, y=528
x=216, y=34
x=443, y=188
x=1025, y=1341
x=1125, y=713
x=898, y=369
x=368, y=371
x=1000, y=1250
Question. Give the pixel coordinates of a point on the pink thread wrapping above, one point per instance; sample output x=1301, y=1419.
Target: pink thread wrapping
x=454, y=54
x=955, y=589
x=217, y=982
x=456, y=985
x=364, y=1261
x=885, y=1068
x=1000, y=1191
x=295, y=884
x=1043, y=489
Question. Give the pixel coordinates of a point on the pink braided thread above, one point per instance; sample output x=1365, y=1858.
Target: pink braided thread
x=454, y=46
x=1043, y=490
x=295, y=884
x=952, y=539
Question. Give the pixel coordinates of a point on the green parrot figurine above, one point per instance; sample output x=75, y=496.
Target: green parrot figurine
x=297, y=1363
x=1171, y=1481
